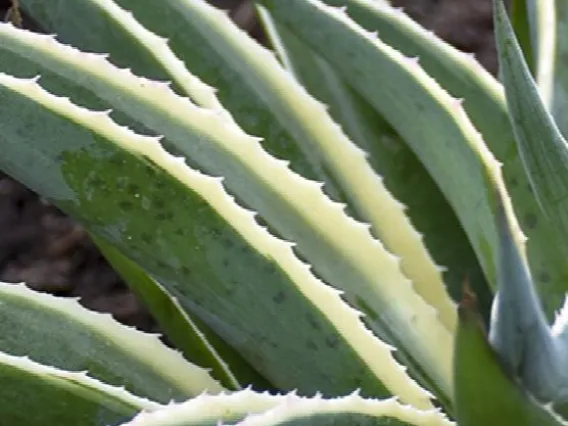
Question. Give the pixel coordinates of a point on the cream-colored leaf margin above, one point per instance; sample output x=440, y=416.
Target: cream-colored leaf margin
x=169, y=313
x=374, y=353
x=543, y=23
x=62, y=379
x=484, y=162
x=340, y=249
x=314, y=126
x=209, y=408
x=145, y=348
x=399, y=237
x=466, y=63
x=264, y=410
x=157, y=47
x=385, y=213
x=301, y=408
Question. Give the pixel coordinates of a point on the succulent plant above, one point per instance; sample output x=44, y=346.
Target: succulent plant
x=320, y=229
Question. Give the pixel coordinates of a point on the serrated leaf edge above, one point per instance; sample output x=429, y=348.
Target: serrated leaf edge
x=402, y=239
x=375, y=353
x=158, y=47
x=294, y=407
x=80, y=378
x=209, y=408
x=382, y=211
x=419, y=319
x=467, y=62
x=148, y=348
x=453, y=106
x=264, y=410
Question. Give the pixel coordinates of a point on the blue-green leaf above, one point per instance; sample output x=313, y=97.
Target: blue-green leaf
x=486, y=394
x=179, y=327
x=519, y=330
x=34, y=394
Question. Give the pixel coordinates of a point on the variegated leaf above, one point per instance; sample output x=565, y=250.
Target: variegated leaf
x=249, y=409
x=296, y=208
x=61, y=333
x=179, y=327
x=431, y=121
x=486, y=392
x=33, y=394
x=207, y=250
x=463, y=77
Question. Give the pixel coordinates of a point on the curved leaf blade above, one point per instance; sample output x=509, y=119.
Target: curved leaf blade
x=560, y=92
x=485, y=104
x=82, y=340
x=297, y=208
x=535, y=24
x=433, y=123
x=178, y=325
x=209, y=251
x=397, y=165
x=32, y=394
x=148, y=54
x=249, y=409
x=519, y=326
x=485, y=393
x=210, y=410
x=542, y=147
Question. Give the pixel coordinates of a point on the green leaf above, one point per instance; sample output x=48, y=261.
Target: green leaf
x=519, y=330
x=560, y=90
x=521, y=20
x=534, y=22
x=179, y=327
x=206, y=410
x=33, y=394
x=485, y=104
x=250, y=409
x=162, y=308
x=325, y=145
x=485, y=393
x=540, y=143
x=403, y=174
x=82, y=340
x=391, y=157
x=433, y=123
x=207, y=250
x=112, y=30
x=295, y=207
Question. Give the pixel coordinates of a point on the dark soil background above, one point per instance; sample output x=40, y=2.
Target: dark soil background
x=42, y=247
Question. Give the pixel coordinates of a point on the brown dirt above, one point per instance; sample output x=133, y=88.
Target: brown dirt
x=41, y=246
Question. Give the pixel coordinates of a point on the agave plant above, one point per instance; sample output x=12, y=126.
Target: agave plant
x=300, y=221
